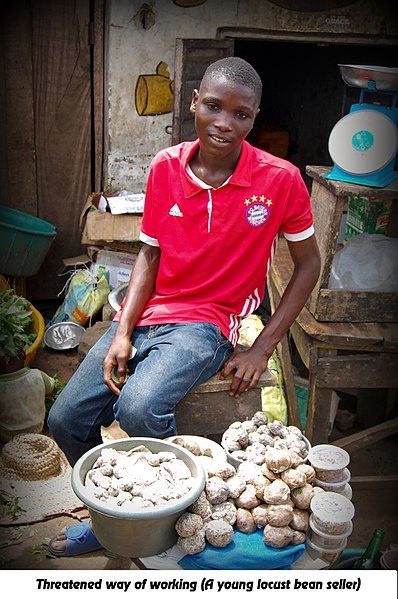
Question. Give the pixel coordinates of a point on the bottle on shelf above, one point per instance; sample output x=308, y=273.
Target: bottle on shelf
x=370, y=560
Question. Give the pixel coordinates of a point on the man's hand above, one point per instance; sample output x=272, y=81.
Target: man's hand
x=117, y=356
x=248, y=366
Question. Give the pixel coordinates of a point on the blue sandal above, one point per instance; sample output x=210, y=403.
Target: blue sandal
x=80, y=538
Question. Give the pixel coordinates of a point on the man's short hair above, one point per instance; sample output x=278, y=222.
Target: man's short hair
x=237, y=70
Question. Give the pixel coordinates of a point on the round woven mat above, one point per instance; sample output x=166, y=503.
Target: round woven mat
x=30, y=457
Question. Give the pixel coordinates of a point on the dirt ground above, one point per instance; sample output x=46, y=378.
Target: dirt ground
x=24, y=547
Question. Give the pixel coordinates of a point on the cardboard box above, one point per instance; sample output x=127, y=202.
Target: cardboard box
x=103, y=226
x=367, y=215
x=106, y=227
x=116, y=265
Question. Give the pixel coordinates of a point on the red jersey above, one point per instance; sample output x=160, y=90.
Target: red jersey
x=217, y=244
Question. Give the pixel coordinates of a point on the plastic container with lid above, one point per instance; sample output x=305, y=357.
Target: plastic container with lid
x=331, y=512
x=329, y=462
x=347, y=491
x=331, y=556
x=335, y=487
x=327, y=541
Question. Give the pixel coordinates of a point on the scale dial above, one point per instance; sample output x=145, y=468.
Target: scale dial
x=363, y=142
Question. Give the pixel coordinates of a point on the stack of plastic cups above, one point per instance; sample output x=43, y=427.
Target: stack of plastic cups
x=331, y=472
x=330, y=525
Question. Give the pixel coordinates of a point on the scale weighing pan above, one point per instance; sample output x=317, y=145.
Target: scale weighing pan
x=363, y=142
x=382, y=79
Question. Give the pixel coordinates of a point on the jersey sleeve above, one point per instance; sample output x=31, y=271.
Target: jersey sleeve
x=148, y=232
x=298, y=221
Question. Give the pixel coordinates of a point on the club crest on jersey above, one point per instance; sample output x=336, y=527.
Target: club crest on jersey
x=257, y=211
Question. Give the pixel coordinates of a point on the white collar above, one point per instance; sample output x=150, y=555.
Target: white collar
x=201, y=183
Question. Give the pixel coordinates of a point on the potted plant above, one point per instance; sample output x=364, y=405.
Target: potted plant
x=16, y=330
x=22, y=389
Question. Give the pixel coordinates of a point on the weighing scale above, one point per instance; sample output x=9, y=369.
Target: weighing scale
x=363, y=144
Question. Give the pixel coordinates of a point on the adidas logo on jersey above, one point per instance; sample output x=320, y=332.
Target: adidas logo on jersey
x=175, y=211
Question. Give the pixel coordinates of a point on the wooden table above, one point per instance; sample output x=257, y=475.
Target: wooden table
x=337, y=355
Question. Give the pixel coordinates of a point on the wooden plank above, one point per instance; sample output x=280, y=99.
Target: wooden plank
x=17, y=141
x=212, y=413
x=374, y=479
x=215, y=384
x=327, y=210
x=358, y=370
x=98, y=93
x=358, y=441
x=192, y=57
x=341, y=188
x=319, y=408
x=355, y=306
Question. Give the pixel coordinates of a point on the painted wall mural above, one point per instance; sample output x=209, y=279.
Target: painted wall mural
x=154, y=93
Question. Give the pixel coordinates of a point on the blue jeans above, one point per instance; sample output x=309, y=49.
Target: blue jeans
x=171, y=360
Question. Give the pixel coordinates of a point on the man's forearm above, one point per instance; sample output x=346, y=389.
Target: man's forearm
x=304, y=277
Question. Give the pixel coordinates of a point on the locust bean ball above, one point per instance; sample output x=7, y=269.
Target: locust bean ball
x=188, y=444
x=275, y=428
x=278, y=460
x=188, y=524
x=194, y=544
x=276, y=493
x=245, y=521
x=239, y=455
x=249, y=471
x=308, y=471
x=201, y=506
x=302, y=496
x=279, y=515
x=294, y=478
x=259, y=483
x=296, y=458
x=293, y=430
x=236, y=485
x=249, y=426
x=280, y=444
x=298, y=537
x=231, y=444
x=300, y=520
x=219, y=533
x=260, y=418
x=221, y=469
x=216, y=490
x=248, y=499
x=277, y=536
x=224, y=511
x=260, y=515
x=268, y=473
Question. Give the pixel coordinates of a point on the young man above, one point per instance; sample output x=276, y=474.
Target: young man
x=214, y=210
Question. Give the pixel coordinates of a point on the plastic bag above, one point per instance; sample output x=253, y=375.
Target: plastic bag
x=85, y=296
x=368, y=262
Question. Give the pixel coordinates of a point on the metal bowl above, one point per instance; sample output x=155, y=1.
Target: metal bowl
x=117, y=295
x=373, y=78
x=63, y=335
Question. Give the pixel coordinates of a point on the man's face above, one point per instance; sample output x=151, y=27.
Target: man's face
x=224, y=115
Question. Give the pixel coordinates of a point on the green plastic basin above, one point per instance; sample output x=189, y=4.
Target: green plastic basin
x=24, y=242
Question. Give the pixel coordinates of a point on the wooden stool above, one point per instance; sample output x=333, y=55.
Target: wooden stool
x=208, y=409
